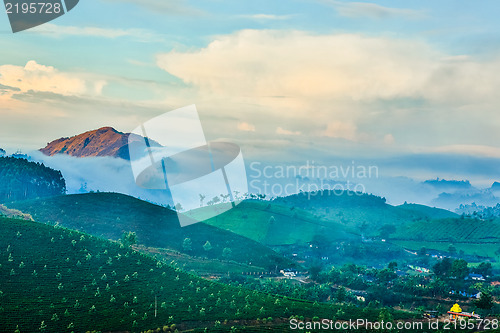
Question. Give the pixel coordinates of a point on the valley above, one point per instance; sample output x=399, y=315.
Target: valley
x=320, y=255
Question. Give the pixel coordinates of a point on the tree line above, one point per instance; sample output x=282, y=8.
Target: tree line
x=21, y=179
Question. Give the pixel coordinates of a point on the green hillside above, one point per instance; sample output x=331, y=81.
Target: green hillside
x=57, y=280
x=361, y=213
x=109, y=215
x=452, y=230
x=472, y=236
x=426, y=211
x=300, y=219
x=273, y=224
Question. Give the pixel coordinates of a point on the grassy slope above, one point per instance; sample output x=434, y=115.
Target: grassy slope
x=417, y=225
x=62, y=280
x=475, y=237
x=361, y=213
x=200, y=266
x=297, y=218
x=274, y=224
x=108, y=215
x=452, y=230
x=426, y=211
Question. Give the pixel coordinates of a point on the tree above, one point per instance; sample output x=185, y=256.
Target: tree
x=484, y=269
x=422, y=252
x=314, y=271
x=443, y=267
x=485, y=301
x=341, y=295
x=227, y=252
x=334, y=275
x=392, y=266
x=386, y=275
x=21, y=179
x=459, y=269
x=207, y=246
x=452, y=249
x=385, y=316
x=129, y=238
x=187, y=244
x=178, y=207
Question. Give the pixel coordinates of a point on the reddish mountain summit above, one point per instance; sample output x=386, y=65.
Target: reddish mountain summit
x=104, y=141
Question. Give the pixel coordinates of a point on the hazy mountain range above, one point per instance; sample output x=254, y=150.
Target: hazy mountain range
x=114, y=175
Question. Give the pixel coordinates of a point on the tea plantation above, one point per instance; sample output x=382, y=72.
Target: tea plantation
x=58, y=280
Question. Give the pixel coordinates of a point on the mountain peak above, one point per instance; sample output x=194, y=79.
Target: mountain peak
x=106, y=129
x=105, y=141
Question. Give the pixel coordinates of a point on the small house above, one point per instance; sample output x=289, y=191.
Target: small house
x=475, y=277
x=288, y=272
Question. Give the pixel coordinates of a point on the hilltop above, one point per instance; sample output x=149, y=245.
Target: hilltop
x=363, y=214
x=274, y=225
x=105, y=141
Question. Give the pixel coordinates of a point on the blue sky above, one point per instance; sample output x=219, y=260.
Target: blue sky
x=281, y=78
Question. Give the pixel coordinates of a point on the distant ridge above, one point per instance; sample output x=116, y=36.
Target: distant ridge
x=105, y=141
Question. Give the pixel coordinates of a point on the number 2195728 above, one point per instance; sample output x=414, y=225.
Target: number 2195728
x=33, y=8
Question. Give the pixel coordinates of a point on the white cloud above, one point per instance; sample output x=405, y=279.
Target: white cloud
x=107, y=174
x=472, y=150
x=355, y=80
x=265, y=63
x=372, y=10
x=342, y=130
x=246, y=127
x=283, y=131
x=165, y=7
x=267, y=17
x=298, y=64
x=53, y=30
x=389, y=139
x=40, y=78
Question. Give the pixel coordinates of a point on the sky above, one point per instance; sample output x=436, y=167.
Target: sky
x=409, y=86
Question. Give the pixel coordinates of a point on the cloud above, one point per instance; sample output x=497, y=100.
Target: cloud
x=106, y=174
x=341, y=130
x=5, y=89
x=165, y=7
x=35, y=77
x=373, y=11
x=463, y=149
x=267, y=17
x=246, y=127
x=53, y=30
x=283, y=131
x=299, y=64
x=389, y=139
x=353, y=79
